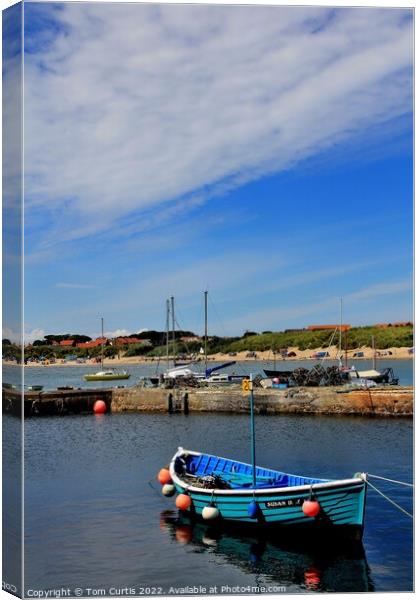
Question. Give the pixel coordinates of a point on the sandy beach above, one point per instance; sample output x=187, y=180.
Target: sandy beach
x=396, y=354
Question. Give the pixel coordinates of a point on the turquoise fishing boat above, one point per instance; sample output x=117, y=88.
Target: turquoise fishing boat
x=224, y=490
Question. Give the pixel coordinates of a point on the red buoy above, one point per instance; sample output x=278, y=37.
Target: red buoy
x=311, y=508
x=183, y=502
x=99, y=408
x=164, y=476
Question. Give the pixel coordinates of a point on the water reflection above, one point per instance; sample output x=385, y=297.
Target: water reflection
x=309, y=565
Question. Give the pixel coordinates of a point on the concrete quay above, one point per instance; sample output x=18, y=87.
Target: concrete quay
x=386, y=401
x=390, y=401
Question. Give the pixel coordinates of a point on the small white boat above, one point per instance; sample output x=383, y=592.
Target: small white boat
x=209, y=376
x=105, y=374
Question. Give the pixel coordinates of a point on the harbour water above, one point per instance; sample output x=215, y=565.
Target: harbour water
x=95, y=517
x=54, y=376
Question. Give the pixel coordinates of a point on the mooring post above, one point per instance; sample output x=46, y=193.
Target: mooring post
x=170, y=404
x=186, y=407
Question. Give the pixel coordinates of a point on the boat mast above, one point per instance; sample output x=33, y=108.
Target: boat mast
x=374, y=353
x=167, y=332
x=345, y=349
x=251, y=400
x=205, y=329
x=341, y=332
x=273, y=350
x=345, y=333
x=102, y=343
x=173, y=327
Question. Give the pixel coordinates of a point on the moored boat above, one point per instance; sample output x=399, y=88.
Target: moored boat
x=220, y=489
x=385, y=375
x=267, y=496
x=283, y=376
x=107, y=375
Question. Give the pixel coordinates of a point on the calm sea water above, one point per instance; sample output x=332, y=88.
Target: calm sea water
x=95, y=517
x=52, y=377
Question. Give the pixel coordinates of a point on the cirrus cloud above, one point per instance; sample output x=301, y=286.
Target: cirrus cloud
x=138, y=108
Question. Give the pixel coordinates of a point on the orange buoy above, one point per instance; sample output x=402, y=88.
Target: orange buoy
x=99, y=408
x=311, y=508
x=164, y=476
x=183, y=502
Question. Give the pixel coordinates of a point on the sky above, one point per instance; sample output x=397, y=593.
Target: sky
x=262, y=153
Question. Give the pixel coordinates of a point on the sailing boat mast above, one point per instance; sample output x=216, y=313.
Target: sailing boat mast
x=205, y=328
x=102, y=343
x=168, y=309
x=341, y=331
x=173, y=327
x=274, y=351
x=373, y=353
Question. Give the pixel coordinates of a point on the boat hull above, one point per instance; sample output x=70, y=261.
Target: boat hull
x=282, y=375
x=105, y=377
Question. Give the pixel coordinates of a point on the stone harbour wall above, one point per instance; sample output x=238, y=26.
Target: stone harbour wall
x=389, y=401
x=395, y=401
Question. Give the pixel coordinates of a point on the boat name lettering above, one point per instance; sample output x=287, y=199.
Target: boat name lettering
x=280, y=503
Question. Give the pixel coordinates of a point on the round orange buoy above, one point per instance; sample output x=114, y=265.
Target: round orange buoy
x=99, y=408
x=183, y=502
x=311, y=508
x=164, y=476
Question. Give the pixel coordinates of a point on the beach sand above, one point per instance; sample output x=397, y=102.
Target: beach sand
x=397, y=354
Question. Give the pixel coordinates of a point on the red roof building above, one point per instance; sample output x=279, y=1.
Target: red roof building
x=343, y=327
x=67, y=343
x=93, y=343
x=120, y=341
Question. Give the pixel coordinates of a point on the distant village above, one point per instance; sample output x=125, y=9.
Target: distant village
x=153, y=343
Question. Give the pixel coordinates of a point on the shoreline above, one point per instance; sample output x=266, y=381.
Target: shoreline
x=266, y=356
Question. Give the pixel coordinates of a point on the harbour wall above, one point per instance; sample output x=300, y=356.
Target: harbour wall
x=388, y=401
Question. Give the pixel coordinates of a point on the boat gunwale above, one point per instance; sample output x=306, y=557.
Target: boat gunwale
x=326, y=485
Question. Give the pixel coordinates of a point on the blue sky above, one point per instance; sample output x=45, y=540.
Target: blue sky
x=262, y=153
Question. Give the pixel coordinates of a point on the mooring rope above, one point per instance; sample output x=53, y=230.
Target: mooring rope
x=391, y=480
x=150, y=483
x=389, y=500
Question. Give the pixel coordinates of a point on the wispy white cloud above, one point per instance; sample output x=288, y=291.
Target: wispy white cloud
x=138, y=107
x=118, y=333
x=380, y=289
x=30, y=335
x=282, y=316
x=222, y=274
